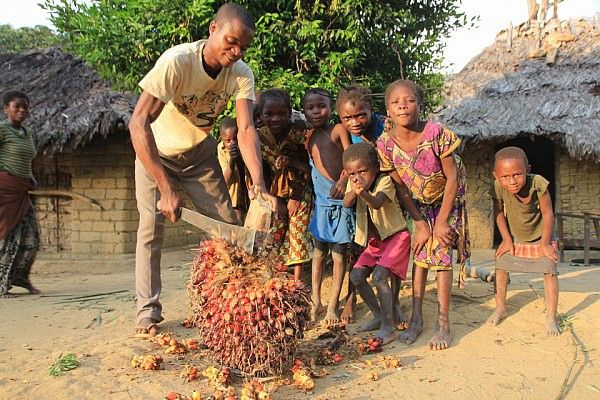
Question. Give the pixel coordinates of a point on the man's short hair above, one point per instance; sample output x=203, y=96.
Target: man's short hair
x=233, y=11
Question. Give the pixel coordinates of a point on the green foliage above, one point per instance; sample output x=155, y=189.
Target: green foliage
x=298, y=43
x=16, y=40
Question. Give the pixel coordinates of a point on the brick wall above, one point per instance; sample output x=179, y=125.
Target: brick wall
x=103, y=171
x=53, y=213
x=578, y=189
x=478, y=159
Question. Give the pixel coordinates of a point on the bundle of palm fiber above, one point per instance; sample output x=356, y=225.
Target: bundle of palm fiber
x=249, y=310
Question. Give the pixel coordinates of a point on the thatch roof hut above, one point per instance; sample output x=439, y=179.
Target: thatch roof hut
x=536, y=86
x=84, y=150
x=70, y=103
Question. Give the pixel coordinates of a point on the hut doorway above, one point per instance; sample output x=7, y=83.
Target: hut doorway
x=540, y=152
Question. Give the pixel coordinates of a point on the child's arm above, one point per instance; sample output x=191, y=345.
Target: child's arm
x=339, y=135
x=375, y=201
x=229, y=167
x=442, y=230
x=350, y=199
x=507, y=245
x=547, y=226
x=422, y=231
x=301, y=166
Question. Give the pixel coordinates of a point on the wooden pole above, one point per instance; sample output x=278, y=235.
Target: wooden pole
x=586, y=238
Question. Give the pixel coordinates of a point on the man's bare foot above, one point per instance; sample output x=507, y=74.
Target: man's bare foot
x=412, y=333
x=373, y=324
x=386, y=336
x=496, y=317
x=7, y=295
x=551, y=327
x=331, y=319
x=146, y=327
x=347, y=316
x=315, y=311
x=441, y=335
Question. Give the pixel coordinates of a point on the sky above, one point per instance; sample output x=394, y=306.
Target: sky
x=461, y=46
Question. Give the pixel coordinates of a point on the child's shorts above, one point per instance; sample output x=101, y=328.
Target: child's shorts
x=392, y=253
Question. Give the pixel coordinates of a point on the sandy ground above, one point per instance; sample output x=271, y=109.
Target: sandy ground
x=511, y=361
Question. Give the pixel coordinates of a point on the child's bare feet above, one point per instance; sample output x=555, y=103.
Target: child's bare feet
x=386, y=335
x=331, y=319
x=414, y=330
x=315, y=311
x=373, y=324
x=552, y=327
x=496, y=317
x=347, y=316
x=441, y=335
x=400, y=320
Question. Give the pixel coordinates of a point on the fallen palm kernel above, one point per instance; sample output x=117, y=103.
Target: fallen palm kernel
x=302, y=376
x=250, y=315
x=190, y=373
x=149, y=362
x=254, y=390
x=373, y=374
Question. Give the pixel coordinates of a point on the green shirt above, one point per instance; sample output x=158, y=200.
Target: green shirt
x=524, y=220
x=17, y=150
x=388, y=219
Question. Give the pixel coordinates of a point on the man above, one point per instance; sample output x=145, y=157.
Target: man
x=182, y=97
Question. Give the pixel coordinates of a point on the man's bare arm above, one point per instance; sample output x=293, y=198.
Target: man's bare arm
x=147, y=109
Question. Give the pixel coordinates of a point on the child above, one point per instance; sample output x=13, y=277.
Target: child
x=286, y=171
x=332, y=225
x=232, y=165
x=380, y=226
x=361, y=124
x=523, y=205
x=421, y=154
x=357, y=117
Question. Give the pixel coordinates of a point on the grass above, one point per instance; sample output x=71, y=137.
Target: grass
x=63, y=364
x=565, y=322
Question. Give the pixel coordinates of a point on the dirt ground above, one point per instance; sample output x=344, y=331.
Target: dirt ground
x=511, y=361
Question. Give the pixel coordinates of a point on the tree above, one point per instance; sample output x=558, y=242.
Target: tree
x=298, y=43
x=16, y=40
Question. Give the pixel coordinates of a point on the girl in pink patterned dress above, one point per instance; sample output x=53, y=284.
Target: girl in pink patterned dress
x=421, y=154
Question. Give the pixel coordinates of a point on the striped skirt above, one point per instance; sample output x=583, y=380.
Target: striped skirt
x=528, y=258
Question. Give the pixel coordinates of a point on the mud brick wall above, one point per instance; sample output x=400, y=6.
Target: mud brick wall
x=53, y=213
x=104, y=171
x=478, y=159
x=578, y=189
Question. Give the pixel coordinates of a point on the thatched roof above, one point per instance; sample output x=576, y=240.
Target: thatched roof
x=532, y=81
x=70, y=103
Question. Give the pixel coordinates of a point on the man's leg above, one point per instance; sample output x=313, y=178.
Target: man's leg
x=202, y=179
x=150, y=236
